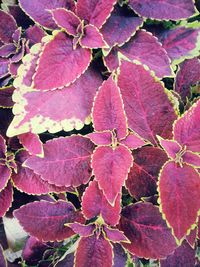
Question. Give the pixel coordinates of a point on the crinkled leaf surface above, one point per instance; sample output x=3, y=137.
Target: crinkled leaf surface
x=6, y=97
x=59, y=64
x=111, y=168
x=187, y=128
x=142, y=178
x=6, y=198
x=2, y=258
x=45, y=220
x=108, y=112
x=94, y=203
x=150, y=237
x=38, y=10
x=179, y=190
x=92, y=38
x=137, y=86
x=93, y=251
x=7, y=27
x=163, y=9
x=31, y=142
x=95, y=12
x=66, y=161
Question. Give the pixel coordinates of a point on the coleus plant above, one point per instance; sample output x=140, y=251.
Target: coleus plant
x=127, y=186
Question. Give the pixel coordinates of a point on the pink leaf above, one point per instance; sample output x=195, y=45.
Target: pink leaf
x=191, y=159
x=6, y=198
x=179, y=190
x=66, y=161
x=7, y=27
x=45, y=220
x=5, y=172
x=6, y=97
x=3, y=262
x=150, y=237
x=108, y=112
x=31, y=142
x=111, y=167
x=59, y=64
x=94, y=203
x=82, y=230
x=38, y=10
x=133, y=141
x=171, y=147
x=103, y=138
x=114, y=235
x=95, y=12
x=93, y=251
x=34, y=34
x=66, y=20
x=187, y=128
x=137, y=86
x=163, y=10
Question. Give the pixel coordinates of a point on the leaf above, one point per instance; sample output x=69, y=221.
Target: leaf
x=187, y=75
x=4, y=63
x=143, y=175
x=93, y=251
x=82, y=230
x=7, y=27
x=186, y=128
x=5, y=172
x=3, y=262
x=45, y=220
x=101, y=138
x=31, y=142
x=94, y=204
x=171, y=147
x=6, y=97
x=137, y=86
x=183, y=256
x=132, y=141
x=66, y=20
x=120, y=256
x=59, y=64
x=163, y=10
x=92, y=38
x=180, y=43
x=145, y=48
x=3, y=148
x=191, y=159
x=114, y=235
x=108, y=112
x=179, y=190
x=192, y=237
x=111, y=167
x=95, y=12
x=66, y=161
x=38, y=10
x=150, y=237
x=6, y=198
x=34, y=34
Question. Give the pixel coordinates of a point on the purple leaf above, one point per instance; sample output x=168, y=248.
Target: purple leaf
x=34, y=34
x=31, y=142
x=7, y=27
x=82, y=230
x=114, y=235
x=6, y=96
x=3, y=262
x=6, y=198
x=132, y=141
x=103, y=138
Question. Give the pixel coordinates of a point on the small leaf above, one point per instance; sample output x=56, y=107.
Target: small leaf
x=3, y=262
x=179, y=190
x=3, y=148
x=82, y=230
x=6, y=198
x=114, y=235
x=31, y=142
x=34, y=34
x=93, y=251
x=192, y=159
x=111, y=168
x=45, y=220
x=171, y=147
x=103, y=138
x=4, y=63
x=150, y=237
x=6, y=97
x=5, y=173
x=7, y=27
x=120, y=256
x=133, y=141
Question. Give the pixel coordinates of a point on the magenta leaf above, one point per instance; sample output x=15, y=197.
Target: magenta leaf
x=4, y=63
x=171, y=147
x=119, y=28
x=92, y=38
x=108, y=112
x=59, y=64
x=191, y=159
x=34, y=34
x=6, y=97
x=93, y=251
x=82, y=230
x=3, y=148
x=133, y=141
x=142, y=178
x=187, y=129
x=192, y=237
x=31, y=142
x=137, y=86
x=183, y=256
x=111, y=167
x=3, y=262
x=7, y=27
x=6, y=198
x=38, y=10
x=7, y=50
x=66, y=161
x=94, y=203
x=103, y=138
x=66, y=20
x=45, y=220
x=150, y=237
x=95, y=12
x=163, y=10
x=114, y=235
x=179, y=189
x=5, y=172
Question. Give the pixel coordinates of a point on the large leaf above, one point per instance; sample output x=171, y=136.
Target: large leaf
x=66, y=161
x=6, y=198
x=143, y=175
x=108, y=112
x=45, y=220
x=31, y=142
x=187, y=128
x=120, y=27
x=94, y=203
x=145, y=48
x=95, y=12
x=137, y=86
x=3, y=262
x=179, y=190
x=59, y=64
x=7, y=27
x=38, y=10
x=163, y=9
x=93, y=251
x=111, y=167
x=150, y=237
